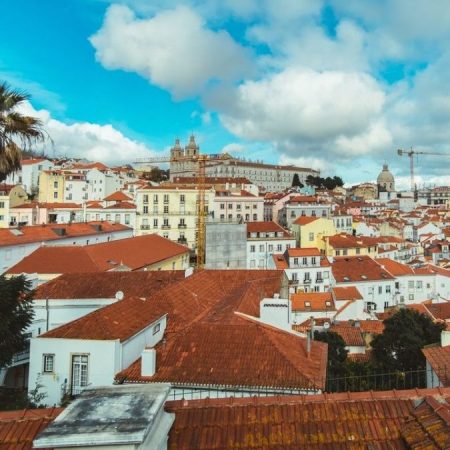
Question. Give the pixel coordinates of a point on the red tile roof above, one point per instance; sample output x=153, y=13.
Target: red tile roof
x=439, y=311
x=122, y=205
x=348, y=241
x=118, y=196
x=120, y=320
x=19, y=428
x=213, y=180
x=296, y=252
x=27, y=162
x=49, y=205
x=439, y=359
x=106, y=284
x=312, y=301
x=43, y=233
x=266, y=227
x=346, y=293
x=346, y=421
x=135, y=253
x=395, y=268
x=218, y=354
x=351, y=334
x=358, y=268
x=305, y=220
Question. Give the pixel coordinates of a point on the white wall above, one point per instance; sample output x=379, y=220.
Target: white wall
x=104, y=363
x=265, y=248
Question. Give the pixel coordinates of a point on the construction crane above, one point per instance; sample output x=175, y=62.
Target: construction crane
x=411, y=154
x=200, y=161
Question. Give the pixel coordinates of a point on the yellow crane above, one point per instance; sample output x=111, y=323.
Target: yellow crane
x=200, y=161
x=410, y=153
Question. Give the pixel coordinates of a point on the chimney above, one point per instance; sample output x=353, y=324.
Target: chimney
x=148, y=362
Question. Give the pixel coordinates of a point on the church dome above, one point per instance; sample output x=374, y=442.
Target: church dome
x=385, y=176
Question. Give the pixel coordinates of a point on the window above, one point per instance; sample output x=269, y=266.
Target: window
x=155, y=198
x=338, y=253
x=165, y=222
x=380, y=289
x=166, y=198
x=156, y=328
x=166, y=210
x=344, y=252
x=358, y=251
x=279, y=248
x=252, y=249
x=48, y=363
x=182, y=198
x=230, y=206
x=313, y=261
x=55, y=185
x=252, y=263
x=55, y=195
x=388, y=289
x=296, y=261
x=386, y=305
x=311, y=237
x=238, y=206
x=108, y=216
x=411, y=297
x=419, y=285
x=155, y=223
x=222, y=206
x=255, y=217
x=145, y=198
x=79, y=371
x=2, y=204
x=410, y=284
x=127, y=219
x=145, y=210
x=117, y=218
x=270, y=248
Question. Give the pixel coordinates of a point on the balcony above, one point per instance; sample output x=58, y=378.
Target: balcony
x=166, y=227
x=181, y=226
x=307, y=281
x=293, y=282
x=145, y=227
x=182, y=241
x=21, y=357
x=319, y=280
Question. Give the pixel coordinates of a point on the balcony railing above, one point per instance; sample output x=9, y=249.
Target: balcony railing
x=69, y=391
x=307, y=281
x=319, y=280
x=166, y=227
x=145, y=227
x=293, y=282
x=182, y=226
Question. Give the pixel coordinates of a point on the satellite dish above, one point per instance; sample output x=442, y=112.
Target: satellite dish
x=326, y=325
x=119, y=295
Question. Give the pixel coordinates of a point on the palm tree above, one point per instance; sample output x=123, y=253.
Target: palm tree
x=17, y=132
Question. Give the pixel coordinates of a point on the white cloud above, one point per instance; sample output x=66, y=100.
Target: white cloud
x=233, y=148
x=174, y=49
x=88, y=140
x=300, y=105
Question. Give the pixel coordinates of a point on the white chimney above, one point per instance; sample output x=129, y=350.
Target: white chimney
x=148, y=362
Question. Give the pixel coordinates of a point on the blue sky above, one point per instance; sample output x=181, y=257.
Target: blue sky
x=333, y=84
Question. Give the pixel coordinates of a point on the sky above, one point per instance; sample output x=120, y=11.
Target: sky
x=337, y=85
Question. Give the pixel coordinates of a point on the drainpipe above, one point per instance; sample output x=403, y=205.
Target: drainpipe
x=47, y=313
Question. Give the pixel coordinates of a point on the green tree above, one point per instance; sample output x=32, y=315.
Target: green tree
x=405, y=333
x=296, y=181
x=17, y=131
x=16, y=314
x=337, y=353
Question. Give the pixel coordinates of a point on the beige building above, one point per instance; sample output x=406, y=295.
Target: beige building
x=269, y=177
x=170, y=210
x=10, y=196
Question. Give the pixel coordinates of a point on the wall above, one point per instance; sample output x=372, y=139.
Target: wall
x=264, y=249
x=226, y=246
x=104, y=363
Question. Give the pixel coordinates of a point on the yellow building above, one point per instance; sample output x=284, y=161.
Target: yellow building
x=10, y=196
x=51, y=186
x=310, y=231
x=170, y=210
x=347, y=245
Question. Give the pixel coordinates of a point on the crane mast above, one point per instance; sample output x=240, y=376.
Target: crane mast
x=410, y=153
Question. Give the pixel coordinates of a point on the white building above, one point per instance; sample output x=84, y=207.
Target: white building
x=235, y=206
x=92, y=350
x=302, y=205
x=28, y=175
x=376, y=284
x=306, y=269
x=264, y=239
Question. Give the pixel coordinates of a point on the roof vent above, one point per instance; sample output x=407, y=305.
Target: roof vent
x=364, y=277
x=59, y=231
x=119, y=295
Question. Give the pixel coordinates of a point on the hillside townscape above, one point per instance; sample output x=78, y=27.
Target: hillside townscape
x=204, y=297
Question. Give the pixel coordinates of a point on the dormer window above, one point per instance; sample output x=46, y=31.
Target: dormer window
x=307, y=304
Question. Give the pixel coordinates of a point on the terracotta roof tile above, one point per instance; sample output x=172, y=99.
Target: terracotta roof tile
x=312, y=301
x=217, y=354
x=106, y=284
x=394, y=267
x=19, y=428
x=352, y=335
x=266, y=227
x=346, y=421
x=305, y=220
x=358, y=268
x=43, y=233
x=120, y=320
x=346, y=293
x=135, y=253
x=298, y=252
x=117, y=196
